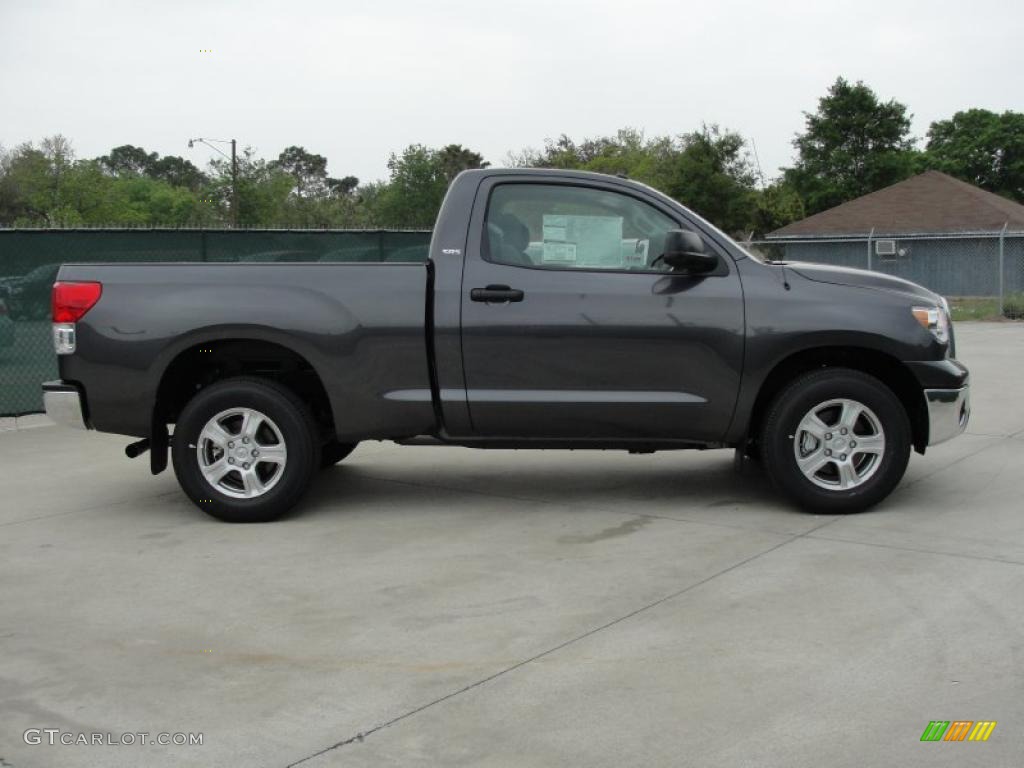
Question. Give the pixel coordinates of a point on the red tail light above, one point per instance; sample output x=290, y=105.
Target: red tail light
x=72, y=300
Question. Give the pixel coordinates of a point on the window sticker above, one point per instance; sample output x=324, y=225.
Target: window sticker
x=556, y=253
x=594, y=241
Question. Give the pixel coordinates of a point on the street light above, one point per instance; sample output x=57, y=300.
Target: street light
x=234, y=171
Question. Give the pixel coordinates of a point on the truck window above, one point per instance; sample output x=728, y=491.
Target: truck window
x=557, y=226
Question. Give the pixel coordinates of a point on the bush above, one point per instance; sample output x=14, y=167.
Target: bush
x=1013, y=307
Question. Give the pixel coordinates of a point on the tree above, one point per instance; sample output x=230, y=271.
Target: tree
x=712, y=175
x=778, y=204
x=178, y=172
x=708, y=170
x=128, y=160
x=853, y=144
x=342, y=187
x=308, y=171
x=454, y=159
x=981, y=147
x=24, y=188
x=413, y=193
x=419, y=178
x=263, y=189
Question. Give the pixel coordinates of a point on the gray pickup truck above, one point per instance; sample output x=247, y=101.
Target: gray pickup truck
x=556, y=310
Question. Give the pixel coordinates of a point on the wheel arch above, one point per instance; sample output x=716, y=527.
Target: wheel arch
x=204, y=359
x=883, y=366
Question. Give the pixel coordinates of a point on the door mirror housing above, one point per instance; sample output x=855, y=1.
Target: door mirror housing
x=684, y=251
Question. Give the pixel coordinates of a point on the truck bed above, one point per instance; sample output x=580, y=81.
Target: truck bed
x=362, y=327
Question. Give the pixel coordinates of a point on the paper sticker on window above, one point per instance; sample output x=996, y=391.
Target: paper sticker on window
x=634, y=252
x=596, y=240
x=559, y=253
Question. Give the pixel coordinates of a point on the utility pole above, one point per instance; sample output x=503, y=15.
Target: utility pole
x=234, y=171
x=234, y=186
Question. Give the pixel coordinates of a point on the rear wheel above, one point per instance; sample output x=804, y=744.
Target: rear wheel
x=244, y=450
x=836, y=440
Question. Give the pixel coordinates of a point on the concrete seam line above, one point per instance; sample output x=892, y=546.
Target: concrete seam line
x=984, y=558
x=966, y=456
x=362, y=735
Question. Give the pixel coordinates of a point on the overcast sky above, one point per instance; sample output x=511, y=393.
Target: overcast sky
x=357, y=80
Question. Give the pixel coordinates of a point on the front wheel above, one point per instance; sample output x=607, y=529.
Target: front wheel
x=836, y=440
x=244, y=450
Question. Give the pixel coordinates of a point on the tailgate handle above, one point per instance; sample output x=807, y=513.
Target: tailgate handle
x=496, y=293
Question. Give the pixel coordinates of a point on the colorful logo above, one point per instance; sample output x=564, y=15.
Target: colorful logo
x=958, y=730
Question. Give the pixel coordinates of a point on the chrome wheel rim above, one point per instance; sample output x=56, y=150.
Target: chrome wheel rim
x=839, y=444
x=241, y=453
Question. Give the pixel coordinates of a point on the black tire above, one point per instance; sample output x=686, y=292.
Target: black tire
x=289, y=415
x=782, y=425
x=334, y=452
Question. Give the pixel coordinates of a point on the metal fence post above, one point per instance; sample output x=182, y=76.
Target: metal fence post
x=870, y=236
x=1002, y=244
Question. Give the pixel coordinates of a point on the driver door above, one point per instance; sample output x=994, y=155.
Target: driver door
x=572, y=328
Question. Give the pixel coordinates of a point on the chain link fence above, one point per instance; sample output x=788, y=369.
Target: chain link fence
x=29, y=260
x=977, y=269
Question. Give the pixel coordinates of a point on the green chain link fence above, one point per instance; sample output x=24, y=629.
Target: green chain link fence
x=29, y=260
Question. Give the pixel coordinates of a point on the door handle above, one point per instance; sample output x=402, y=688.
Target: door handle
x=496, y=294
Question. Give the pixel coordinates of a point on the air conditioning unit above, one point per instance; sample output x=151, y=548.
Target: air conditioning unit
x=885, y=247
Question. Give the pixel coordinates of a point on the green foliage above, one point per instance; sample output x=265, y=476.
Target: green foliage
x=414, y=192
x=1013, y=307
x=854, y=144
x=454, y=159
x=129, y=161
x=981, y=147
x=778, y=204
x=419, y=178
x=308, y=171
x=707, y=170
x=712, y=175
x=263, y=190
x=48, y=187
x=178, y=172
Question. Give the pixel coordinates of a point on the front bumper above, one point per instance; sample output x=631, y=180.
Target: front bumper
x=949, y=410
x=65, y=404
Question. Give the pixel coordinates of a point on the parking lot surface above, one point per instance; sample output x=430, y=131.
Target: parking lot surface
x=441, y=606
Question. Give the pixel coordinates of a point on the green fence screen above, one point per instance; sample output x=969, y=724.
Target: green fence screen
x=29, y=260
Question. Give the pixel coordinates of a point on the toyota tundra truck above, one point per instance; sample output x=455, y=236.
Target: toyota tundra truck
x=556, y=310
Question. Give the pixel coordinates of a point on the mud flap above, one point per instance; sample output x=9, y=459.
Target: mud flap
x=158, y=442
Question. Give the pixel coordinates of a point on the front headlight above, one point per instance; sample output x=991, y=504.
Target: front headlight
x=935, y=319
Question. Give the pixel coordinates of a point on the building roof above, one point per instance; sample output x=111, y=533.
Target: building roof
x=931, y=202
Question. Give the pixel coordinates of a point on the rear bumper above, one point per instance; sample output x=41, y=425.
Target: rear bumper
x=949, y=410
x=65, y=404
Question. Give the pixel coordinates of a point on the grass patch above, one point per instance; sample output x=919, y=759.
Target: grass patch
x=974, y=308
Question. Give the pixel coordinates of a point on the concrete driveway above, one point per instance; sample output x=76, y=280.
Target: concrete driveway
x=450, y=607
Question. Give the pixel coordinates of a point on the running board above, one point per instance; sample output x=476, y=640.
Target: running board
x=512, y=443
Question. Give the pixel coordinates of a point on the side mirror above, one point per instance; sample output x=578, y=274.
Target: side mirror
x=684, y=251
